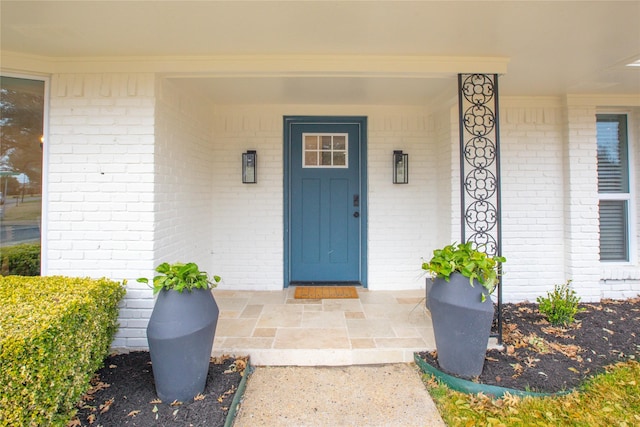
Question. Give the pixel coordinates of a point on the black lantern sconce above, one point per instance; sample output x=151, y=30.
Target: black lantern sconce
x=400, y=167
x=250, y=167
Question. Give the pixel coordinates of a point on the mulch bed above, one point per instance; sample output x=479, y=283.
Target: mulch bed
x=123, y=394
x=544, y=358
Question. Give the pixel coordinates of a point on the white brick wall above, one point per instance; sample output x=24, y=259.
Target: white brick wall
x=100, y=218
x=249, y=237
x=100, y=183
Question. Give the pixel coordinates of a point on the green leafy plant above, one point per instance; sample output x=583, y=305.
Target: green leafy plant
x=20, y=260
x=466, y=260
x=179, y=276
x=561, y=305
x=54, y=334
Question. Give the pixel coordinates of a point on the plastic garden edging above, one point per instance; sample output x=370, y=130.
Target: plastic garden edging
x=470, y=387
x=233, y=409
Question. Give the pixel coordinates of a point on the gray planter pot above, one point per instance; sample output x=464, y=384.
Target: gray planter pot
x=180, y=335
x=461, y=324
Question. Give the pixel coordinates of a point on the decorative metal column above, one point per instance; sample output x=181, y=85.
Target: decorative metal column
x=480, y=166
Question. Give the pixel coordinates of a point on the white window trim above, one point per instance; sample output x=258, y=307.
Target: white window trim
x=44, y=264
x=632, y=202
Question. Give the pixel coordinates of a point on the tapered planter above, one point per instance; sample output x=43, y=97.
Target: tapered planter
x=180, y=335
x=461, y=324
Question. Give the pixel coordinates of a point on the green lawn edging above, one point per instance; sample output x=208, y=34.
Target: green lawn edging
x=235, y=403
x=469, y=387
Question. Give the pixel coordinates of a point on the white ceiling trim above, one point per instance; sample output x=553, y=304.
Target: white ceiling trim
x=265, y=65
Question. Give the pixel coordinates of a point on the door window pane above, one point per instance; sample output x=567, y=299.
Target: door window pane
x=325, y=151
x=21, y=146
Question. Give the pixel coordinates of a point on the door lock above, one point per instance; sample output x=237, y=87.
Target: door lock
x=356, y=214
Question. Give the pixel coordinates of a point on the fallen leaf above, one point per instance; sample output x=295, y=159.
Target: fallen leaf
x=91, y=418
x=608, y=331
x=113, y=366
x=106, y=406
x=155, y=409
x=156, y=401
x=175, y=403
x=200, y=396
x=74, y=423
x=572, y=369
x=133, y=413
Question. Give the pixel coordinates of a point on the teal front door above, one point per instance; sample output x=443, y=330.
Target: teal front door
x=325, y=200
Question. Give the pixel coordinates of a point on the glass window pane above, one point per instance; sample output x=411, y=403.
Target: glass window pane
x=339, y=142
x=311, y=158
x=326, y=158
x=21, y=145
x=613, y=168
x=310, y=142
x=339, y=159
x=326, y=142
x=613, y=230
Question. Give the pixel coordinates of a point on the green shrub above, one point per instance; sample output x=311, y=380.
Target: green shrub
x=20, y=260
x=54, y=334
x=561, y=305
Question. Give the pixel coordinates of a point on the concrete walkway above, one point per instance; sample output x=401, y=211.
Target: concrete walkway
x=371, y=395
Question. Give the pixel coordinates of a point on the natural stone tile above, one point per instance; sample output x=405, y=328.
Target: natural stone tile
x=369, y=328
x=235, y=327
x=309, y=338
x=280, y=319
x=304, y=301
x=252, y=311
x=231, y=304
x=242, y=344
x=363, y=343
x=264, y=332
x=341, y=305
x=411, y=301
x=268, y=297
x=353, y=315
x=323, y=319
x=377, y=298
x=406, y=332
x=417, y=343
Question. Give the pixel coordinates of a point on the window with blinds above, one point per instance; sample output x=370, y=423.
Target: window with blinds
x=613, y=187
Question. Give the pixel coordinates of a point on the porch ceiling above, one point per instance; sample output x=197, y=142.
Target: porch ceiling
x=552, y=48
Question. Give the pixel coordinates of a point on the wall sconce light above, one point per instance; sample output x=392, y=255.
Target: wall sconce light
x=249, y=167
x=400, y=167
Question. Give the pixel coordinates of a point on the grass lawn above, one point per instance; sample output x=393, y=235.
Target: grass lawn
x=609, y=399
x=30, y=209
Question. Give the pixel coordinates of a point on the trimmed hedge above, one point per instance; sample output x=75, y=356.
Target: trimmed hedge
x=54, y=334
x=20, y=260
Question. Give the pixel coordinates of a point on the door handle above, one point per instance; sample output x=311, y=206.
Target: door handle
x=356, y=214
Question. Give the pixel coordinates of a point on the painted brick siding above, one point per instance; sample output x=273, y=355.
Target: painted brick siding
x=531, y=153
x=99, y=206
x=184, y=186
x=249, y=235
x=99, y=186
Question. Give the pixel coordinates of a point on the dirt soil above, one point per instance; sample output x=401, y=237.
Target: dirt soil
x=544, y=358
x=123, y=394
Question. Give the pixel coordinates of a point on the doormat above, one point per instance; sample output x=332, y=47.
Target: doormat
x=325, y=292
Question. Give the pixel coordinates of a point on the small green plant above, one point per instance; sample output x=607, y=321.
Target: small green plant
x=561, y=305
x=20, y=260
x=469, y=262
x=179, y=276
